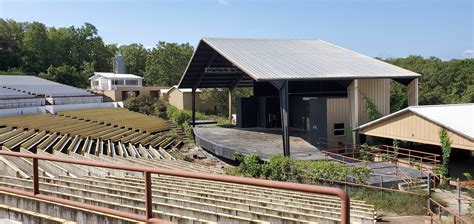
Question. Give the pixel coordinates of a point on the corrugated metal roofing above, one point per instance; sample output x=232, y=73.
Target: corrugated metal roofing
x=39, y=86
x=272, y=59
x=456, y=117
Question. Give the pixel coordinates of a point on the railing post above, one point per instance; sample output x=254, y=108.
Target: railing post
x=35, y=177
x=148, y=195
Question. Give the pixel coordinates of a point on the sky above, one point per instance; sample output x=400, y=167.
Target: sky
x=377, y=28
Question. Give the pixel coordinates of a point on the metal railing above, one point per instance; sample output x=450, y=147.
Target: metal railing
x=441, y=209
x=147, y=171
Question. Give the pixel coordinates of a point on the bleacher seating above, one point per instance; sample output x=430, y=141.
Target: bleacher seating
x=18, y=91
x=80, y=135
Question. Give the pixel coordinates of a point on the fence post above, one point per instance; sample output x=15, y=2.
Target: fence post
x=148, y=196
x=429, y=185
x=459, y=196
x=35, y=177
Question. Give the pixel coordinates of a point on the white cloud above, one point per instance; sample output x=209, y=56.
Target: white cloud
x=468, y=53
x=222, y=2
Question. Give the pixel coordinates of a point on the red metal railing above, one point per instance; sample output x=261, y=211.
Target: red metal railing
x=455, y=216
x=147, y=171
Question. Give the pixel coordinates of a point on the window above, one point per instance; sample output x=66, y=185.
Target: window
x=95, y=83
x=118, y=82
x=132, y=82
x=339, y=129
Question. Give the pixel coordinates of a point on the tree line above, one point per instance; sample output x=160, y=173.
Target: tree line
x=70, y=55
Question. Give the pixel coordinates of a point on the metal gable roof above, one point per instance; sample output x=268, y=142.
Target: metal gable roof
x=273, y=59
x=458, y=118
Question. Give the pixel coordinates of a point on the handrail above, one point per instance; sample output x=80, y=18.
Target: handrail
x=456, y=216
x=345, y=209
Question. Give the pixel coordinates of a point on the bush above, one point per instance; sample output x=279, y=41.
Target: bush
x=250, y=165
x=142, y=104
x=280, y=168
x=160, y=109
x=179, y=117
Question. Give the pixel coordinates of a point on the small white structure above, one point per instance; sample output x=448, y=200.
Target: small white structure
x=110, y=81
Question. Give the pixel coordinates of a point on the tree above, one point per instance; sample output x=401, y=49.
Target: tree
x=441, y=82
x=36, y=48
x=64, y=74
x=11, y=34
x=135, y=57
x=166, y=63
x=220, y=98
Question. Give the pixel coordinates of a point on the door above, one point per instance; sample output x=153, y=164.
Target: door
x=317, y=122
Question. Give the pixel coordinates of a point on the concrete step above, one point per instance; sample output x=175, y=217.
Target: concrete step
x=25, y=216
x=58, y=210
x=163, y=193
x=173, y=213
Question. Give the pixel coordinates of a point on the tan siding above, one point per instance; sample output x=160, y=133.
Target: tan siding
x=379, y=91
x=411, y=127
x=338, y=111
x=175, y=98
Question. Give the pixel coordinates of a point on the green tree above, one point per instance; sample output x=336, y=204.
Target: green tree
x=166, y=63
x=36, y=48
x=135, y=56
x=11, y=34
x=220, y=98
x=64, y=74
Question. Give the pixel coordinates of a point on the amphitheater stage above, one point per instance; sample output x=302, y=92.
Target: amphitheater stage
x=225, y=142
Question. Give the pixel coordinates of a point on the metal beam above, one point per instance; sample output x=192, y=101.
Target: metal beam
x=194, y=107
x=282, y=86
x=236, y=82
x=204, y=72
x=222, y=70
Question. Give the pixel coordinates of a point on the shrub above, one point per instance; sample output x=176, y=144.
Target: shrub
x=160, y=109
x=281, y=168
x=142, y=104
x=179, y=117
x=250, y=165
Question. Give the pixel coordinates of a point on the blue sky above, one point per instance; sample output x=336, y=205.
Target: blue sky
x=378, y=28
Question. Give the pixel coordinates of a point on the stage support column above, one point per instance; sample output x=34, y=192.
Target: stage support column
x=412, y=89
x=354, y=98
x=194, y=107
x=282, y=86
x=230, y=105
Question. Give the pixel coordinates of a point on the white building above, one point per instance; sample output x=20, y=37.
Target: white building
x=111, y=81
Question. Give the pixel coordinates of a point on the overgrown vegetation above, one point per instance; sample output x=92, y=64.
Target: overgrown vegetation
x=443, y=170
x=142, y=104
x=395, y=202
x=282, y=168
x=371, y=108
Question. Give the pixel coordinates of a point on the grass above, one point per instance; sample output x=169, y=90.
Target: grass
x=395, y=202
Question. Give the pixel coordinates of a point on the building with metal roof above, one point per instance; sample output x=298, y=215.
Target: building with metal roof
x=308, y=85
x=421, y=124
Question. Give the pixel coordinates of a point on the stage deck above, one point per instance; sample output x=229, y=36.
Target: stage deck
x=225, y=142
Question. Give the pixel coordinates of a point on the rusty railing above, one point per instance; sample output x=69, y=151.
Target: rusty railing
x=147, y=171
x=455, y=216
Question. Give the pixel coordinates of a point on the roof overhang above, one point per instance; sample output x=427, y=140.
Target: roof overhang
x=230, y=63
x=209, y=69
